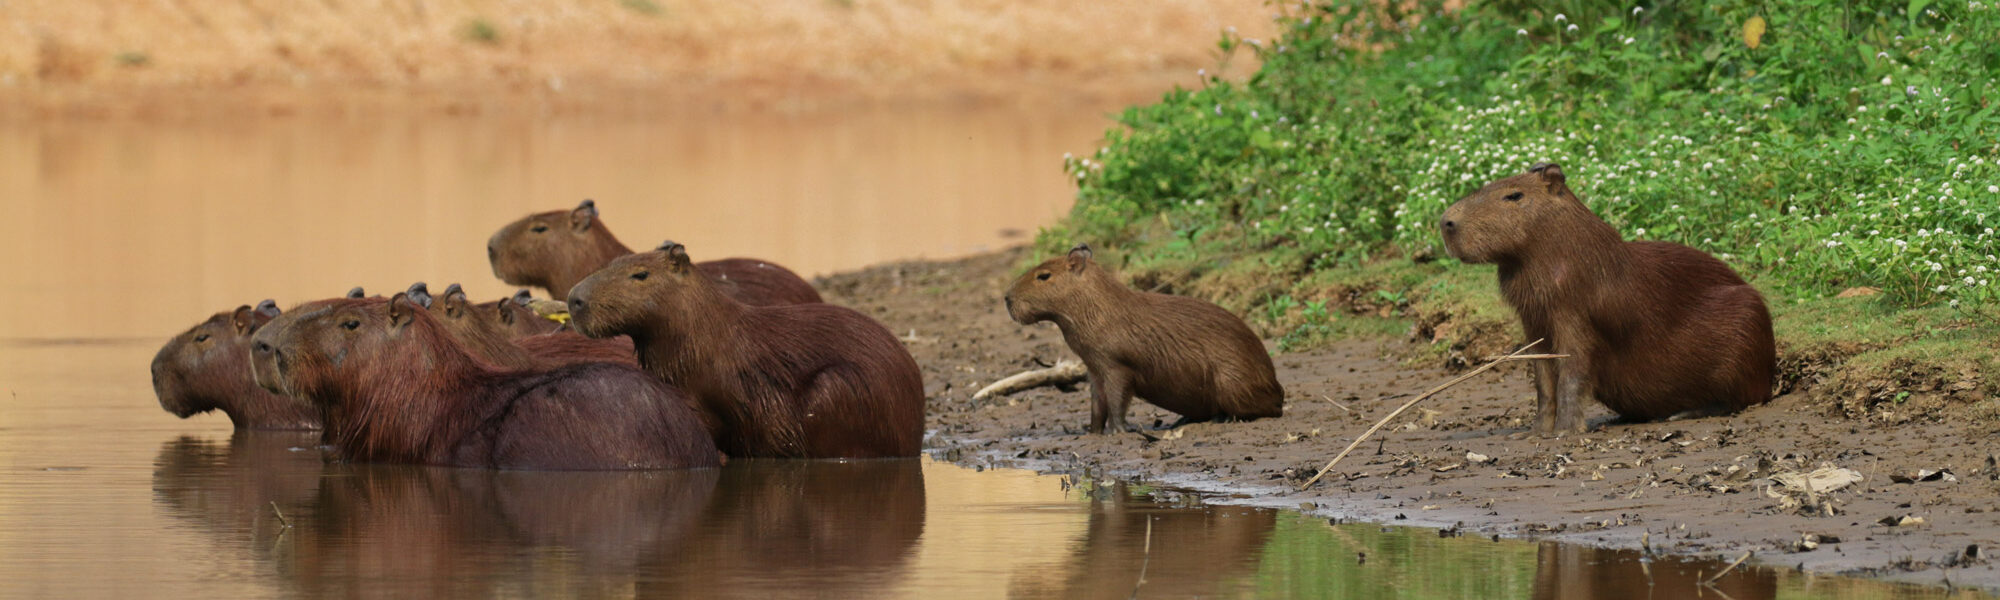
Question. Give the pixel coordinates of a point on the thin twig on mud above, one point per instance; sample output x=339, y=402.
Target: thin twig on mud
x=281, y=515
x=1337, y=404
x=1144, y=563
x=1725, y=570
x=1515, y=355
x=1064, y=372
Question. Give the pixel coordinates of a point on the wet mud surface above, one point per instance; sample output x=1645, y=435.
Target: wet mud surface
x=1926, y=509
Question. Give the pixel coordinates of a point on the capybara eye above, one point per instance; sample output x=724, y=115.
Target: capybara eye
x=539, y=228
x=641, y=276
x=351, y=325
x=1044, y=276
x=1514, y=196
x=201, y=338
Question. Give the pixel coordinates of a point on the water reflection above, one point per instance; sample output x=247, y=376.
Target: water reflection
x=1176, y=551
x=1568, y=571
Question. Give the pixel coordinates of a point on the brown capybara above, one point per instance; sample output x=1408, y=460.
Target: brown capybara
x=207, y=368
x=357, y=292
x=790, y=381
x=1652, y=329
x=554, y=250
x=1184, y=355
x=392, y=386
x=484, y=334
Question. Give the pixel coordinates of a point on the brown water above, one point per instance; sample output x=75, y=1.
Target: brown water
x=119, y=235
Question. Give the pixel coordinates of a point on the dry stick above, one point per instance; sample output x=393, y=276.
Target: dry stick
x=1144, y=563
x=1516, y=355
x=281, y=514
x=1725, y=570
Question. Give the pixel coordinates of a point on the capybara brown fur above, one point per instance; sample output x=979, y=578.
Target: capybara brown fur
x=207, y=368
x=789, y=381
x=554, y=250
x=487, y=336
x=1652, y=329
x=1181, y=354
x=392, y=386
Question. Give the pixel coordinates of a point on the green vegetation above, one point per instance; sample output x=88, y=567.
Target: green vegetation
x=644, y=7
x=482, y=31
x=1816, y=145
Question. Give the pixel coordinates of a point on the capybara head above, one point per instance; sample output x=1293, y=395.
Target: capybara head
x=637, y=290
x=203, y=368
x=340, y=341
x=1504, y=218
x=553, y=249
x=1052, y=287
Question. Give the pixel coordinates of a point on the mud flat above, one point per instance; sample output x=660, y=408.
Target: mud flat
x=1925, y=509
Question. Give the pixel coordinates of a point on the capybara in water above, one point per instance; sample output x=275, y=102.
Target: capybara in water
x=790, y=381
x=1181, y=354
x=207, y=368
x=484, y=334
x=554, y=250
x=392, y=386
x=1652, y=329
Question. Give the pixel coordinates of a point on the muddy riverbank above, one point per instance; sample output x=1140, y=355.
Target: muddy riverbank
x=1926, y=509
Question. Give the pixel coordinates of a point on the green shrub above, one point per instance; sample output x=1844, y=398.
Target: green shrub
x=1856, y=144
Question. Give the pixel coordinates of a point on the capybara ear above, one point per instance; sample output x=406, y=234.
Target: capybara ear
x=357, y=293
x=1550, y=172
x=523, y=297
x=244, y=319
x=1078, y=257
x=585, y=214
x=268, y=308
x=402, y=310
x=677, y=255
x=454, y=300
x=419, y=293
x=506, y=316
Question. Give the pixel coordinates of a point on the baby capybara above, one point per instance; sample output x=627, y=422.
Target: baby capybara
x=1184, y=355
x=791, y=381
x=207, y=368
x=486, y=334
x=554, y=250
x=1652, y=329
x=392, y=386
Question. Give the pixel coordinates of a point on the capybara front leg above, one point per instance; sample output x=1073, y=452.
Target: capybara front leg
x=1545, y=397
x=1112, y=394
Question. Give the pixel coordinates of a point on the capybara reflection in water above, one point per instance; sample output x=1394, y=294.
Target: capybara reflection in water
x=1652, y=329
x=487, y=335
x=791, y=381
x=554, y=250
x=392, y=386
x=207, y=368
x=1182, y=354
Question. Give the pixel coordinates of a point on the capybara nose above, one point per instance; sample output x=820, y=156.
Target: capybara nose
x=491, y=253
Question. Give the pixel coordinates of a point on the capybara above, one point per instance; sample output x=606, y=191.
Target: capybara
x=392, y=386
x=1652, y=329
x=207, y=368
x=1184, y=355
x=483, y=333
x=789, y=381
x=554, y=250
x=357, y=292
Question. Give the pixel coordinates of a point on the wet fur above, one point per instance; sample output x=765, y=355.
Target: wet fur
x=193, y=377
x=575, y=243
x=793, y=381
x=483, y=332
x=398, y=389
x=1184, y=355
x=1654, y=329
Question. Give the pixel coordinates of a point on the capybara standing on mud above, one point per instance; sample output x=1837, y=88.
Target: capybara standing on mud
x=207, y=368
x=556, y=249
x=1652, y=329
x=793, y=381
x=1181, y=354
x=392, y=386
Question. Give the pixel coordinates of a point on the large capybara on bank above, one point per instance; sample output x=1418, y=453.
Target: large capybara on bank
x=554, y=250
x=792, y=381
x=207, y=368
x=1182, y=354
x=488, y=336
x=392, y=386
x=1652, y=329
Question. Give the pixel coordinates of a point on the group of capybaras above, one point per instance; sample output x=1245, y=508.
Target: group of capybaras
x=652, y=360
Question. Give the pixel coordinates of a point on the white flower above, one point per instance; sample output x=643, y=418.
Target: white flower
x=1887, y=81
x=1993, y=189
x=1970, y=281
x=1520, y=32
x=1572, y=27
x=1636, y=9
x=1560, y=18
x=1943, y=288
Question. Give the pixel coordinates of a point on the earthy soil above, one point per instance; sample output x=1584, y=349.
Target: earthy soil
x=1698, y=486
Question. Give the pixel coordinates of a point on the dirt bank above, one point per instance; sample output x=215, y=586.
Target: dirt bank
x=120, y=58
x=1694, y=486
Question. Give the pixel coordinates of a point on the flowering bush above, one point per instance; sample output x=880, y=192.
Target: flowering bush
x=1817, y=143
